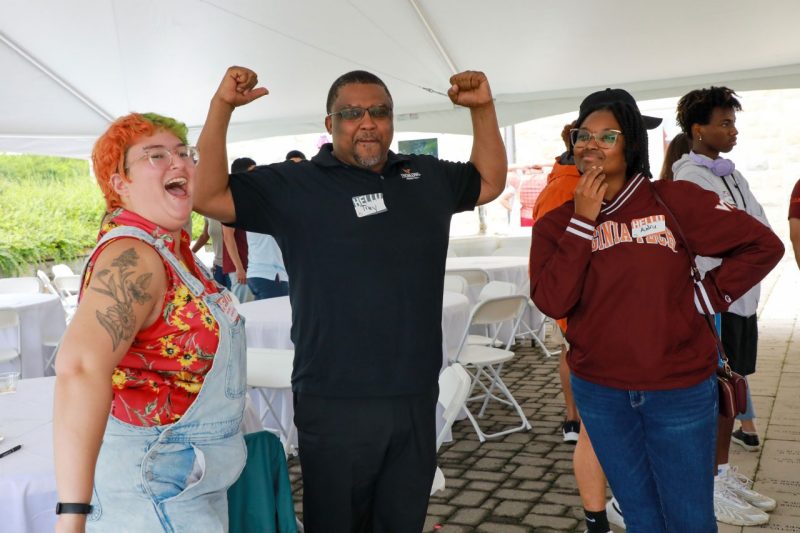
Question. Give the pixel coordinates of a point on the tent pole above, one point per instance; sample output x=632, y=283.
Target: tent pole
x=53, y=76
x=432, y=34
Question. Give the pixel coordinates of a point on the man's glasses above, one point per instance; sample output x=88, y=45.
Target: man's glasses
x=377, y=112
x=604, y=139
x=161, y=158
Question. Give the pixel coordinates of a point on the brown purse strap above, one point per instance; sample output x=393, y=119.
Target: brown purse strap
x=695, y=276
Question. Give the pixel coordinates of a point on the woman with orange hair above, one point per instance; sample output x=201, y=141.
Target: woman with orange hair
x=150, y=375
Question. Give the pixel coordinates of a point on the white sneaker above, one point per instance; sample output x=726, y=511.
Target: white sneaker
x=614, y=513
x=740, y=485
x=731, y=509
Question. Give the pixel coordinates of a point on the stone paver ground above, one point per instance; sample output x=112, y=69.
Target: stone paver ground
x=523, y=482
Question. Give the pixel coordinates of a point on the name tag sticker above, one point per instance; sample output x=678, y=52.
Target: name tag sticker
x=369, y=204
x=228, y=308
x=642, y=227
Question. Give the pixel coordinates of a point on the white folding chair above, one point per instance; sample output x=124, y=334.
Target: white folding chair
x=456, y=284
x=47, y=285
x=454, y=387
x=485, y=363
x=68, y=285
x=493, y=289
x=269, y=371
x=23, y=284
x=474, y=276
x=61, y=270
x=539, y=334
x=10, y=319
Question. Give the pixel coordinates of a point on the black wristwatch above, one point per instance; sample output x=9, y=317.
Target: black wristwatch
x=73, y=508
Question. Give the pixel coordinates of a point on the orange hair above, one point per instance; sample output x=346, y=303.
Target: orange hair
x=108, y=155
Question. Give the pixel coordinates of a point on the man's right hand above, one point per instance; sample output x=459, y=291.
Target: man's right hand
x=238, y=87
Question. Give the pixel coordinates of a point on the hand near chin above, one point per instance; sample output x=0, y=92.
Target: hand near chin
x=590, y=192
x=470, y=89
x=238, y=87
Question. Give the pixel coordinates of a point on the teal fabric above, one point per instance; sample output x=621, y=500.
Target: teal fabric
x=261, y=500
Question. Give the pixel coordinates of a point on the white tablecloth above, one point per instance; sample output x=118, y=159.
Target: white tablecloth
x=267, y=325
x=27, y=477
x=41, y=318
x=499, y=268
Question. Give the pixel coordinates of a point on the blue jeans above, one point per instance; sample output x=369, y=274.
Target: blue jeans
x=657, y=449
x=221, y=277
x=263, y=288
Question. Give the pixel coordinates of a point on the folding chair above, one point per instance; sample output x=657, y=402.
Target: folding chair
x=60, y=270
x=47, y=285
x=485, y=363
x=10, y=319
x=68, y=285
x=456, y=284
x=538, y=335
x=493, y=289
x=269, y=371
x=454, y=387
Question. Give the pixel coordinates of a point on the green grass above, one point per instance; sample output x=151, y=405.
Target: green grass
x=50, y=209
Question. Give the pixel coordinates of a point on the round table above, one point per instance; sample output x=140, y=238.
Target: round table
x=41, y=318
x=500, y=268
x=27, y=477
x=268, y=324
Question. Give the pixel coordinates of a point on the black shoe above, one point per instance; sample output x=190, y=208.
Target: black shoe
x=748, y=441
x=570, y=430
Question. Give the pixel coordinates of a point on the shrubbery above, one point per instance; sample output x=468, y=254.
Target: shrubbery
x=50, y=209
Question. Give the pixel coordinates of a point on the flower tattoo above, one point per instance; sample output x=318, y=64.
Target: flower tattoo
x=119, y=319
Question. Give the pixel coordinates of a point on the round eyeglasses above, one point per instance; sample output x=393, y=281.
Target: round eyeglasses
x=161, y=158
x=377, y=112
x=604, y=138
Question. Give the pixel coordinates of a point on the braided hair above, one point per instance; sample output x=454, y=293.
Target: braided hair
x=637, y=159
x=696, y=106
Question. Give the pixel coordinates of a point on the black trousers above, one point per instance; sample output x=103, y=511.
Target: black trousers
x=368, y=463
x=740, y=340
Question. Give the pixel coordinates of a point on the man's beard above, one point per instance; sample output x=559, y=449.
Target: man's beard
x=367, y=162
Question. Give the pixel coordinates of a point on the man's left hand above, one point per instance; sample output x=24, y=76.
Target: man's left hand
x=470, y=89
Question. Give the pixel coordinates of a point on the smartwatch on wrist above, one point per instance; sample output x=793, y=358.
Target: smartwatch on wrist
x=73, y=508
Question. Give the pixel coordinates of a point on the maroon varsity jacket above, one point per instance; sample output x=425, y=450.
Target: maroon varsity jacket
x=624, y=282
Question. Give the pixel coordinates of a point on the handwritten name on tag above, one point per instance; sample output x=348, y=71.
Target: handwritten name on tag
x=369, y=204
x=642, y=227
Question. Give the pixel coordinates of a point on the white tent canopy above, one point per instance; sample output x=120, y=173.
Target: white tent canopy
x=70, y=67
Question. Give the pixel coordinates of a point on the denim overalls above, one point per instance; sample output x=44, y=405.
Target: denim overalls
x=175, y=477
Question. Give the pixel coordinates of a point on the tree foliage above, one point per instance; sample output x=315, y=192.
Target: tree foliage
x=50, y=209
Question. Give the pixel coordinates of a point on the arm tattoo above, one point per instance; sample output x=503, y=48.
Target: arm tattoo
x=119, y=319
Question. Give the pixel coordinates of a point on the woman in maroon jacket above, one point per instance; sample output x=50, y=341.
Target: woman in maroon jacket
x=641, y=356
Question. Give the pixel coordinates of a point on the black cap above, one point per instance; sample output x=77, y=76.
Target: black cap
x=610, y=96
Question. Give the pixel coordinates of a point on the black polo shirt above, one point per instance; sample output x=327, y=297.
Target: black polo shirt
x=365, y=253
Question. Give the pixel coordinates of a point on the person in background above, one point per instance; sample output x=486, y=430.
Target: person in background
x=295, y=156
x=677, y=147
x=708, y=118
x=266, y=273
x=641, y=354
x=234, y=253
x=150, y=383
x=212, y=229
x=794, y=221
x=365, y=411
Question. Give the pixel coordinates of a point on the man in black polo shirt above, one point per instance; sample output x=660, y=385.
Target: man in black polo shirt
x=364, y=235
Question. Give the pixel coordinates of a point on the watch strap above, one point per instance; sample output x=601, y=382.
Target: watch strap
x=73, y=508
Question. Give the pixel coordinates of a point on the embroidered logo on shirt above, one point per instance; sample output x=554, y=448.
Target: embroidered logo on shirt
x=409, y=174
x=369, y=204
x=642, y=227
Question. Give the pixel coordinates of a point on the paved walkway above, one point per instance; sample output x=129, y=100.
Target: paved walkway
x=524, y=482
